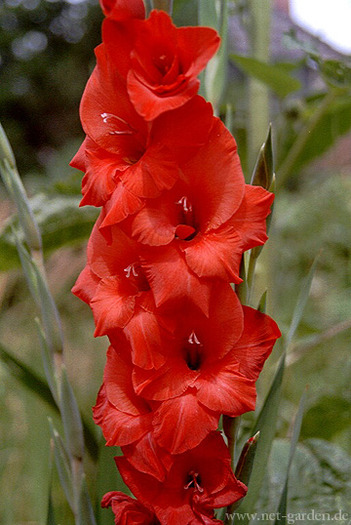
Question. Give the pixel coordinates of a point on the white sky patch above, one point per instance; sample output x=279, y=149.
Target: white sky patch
x=330, y=21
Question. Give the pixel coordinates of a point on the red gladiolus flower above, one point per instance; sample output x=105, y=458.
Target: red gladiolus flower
x=121, y=147
x=200, y=381
x=161, y=61
x=210, y=217
x=115, y=286
x=198, y=481
x=126, y=418
x=128, y=511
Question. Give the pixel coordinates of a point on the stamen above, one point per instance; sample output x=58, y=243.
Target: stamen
x=186, y=205
x=131, y=270
x=194, y=481
x=193, y=339
x=129, y=131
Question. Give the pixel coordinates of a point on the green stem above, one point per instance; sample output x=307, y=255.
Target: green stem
x=251, y=276
x=258, y=116
x=287, y=167
x=231, y=427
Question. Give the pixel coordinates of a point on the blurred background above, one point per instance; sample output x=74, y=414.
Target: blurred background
x=277, y=71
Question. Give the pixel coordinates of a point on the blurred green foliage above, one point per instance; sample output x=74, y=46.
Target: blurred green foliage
x=46, y=55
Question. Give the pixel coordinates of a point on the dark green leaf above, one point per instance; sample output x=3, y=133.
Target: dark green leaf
x=319, y=479
x=27, y=377
x=281, y=518
x=301, y=302
x=273, y=76
x=60, y=221
x=31, y=380
x=335, y=121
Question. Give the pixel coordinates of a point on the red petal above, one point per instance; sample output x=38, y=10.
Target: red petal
x=169, y=381
x=150, y=104
x=144, y=334
x=120, y=9
x=110, y=259
x=170, y=278
x=154, y=91
x=119, y=428
x=155, y=223
x=111, y=120
x=145, y=487
x=256, y=343
x=100, y=168
x=147, y=457
x=121, y=204
x=79, y=159
x=249, y=221
x=215, y=179
x=225, y=323
x=174, y=423
x=155, y=171
x=185, y=129
x=183, y=231
x=113, y=305
x=119, y=387
x=200, y=42
x=215, y=254
x=226, y=391
x=128, y=510
x=86, y=285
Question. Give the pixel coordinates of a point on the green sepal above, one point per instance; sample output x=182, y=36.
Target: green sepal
x=43, y=298
x=85, y=513
x=48, y=362
x=247, y=456
x=50, y=517
x=262, y=304
x=263, y=171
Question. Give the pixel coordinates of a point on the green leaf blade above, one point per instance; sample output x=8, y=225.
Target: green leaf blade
x=274, y=76
x=265, y=424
